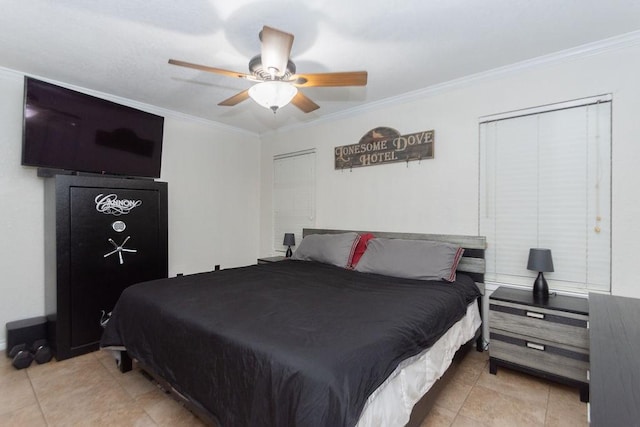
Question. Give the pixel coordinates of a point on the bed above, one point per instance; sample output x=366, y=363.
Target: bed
x=302, y=342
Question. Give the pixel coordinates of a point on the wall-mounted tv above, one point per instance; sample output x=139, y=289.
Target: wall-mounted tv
x=72, y=131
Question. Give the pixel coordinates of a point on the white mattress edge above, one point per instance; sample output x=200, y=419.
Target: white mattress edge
x=391, y=403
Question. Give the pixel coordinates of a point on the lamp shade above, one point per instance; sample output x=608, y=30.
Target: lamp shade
x=273, y=94
x=540, y=260
x=289, y=239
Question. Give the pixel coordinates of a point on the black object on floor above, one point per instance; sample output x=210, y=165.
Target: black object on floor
x=22, y=359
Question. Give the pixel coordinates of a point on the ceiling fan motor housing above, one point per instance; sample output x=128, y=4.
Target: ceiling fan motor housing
x=256, y=68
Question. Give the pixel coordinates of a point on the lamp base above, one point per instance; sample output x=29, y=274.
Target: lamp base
x=289, y=252
x=540, y=287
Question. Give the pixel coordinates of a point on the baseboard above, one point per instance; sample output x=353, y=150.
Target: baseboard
x=3, y=345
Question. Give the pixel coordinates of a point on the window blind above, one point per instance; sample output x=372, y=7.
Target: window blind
x=545, y=182
x=294, y=182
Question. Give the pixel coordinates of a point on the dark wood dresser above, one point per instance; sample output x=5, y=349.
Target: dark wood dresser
x=615, y=360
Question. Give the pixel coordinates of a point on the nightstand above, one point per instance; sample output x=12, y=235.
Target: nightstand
x=268, y=260
x=549, y=339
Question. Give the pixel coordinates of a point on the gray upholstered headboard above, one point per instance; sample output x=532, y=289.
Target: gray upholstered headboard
x=471, y=264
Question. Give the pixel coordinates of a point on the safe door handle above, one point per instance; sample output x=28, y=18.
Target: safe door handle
x=535, y=315
x=535, y=346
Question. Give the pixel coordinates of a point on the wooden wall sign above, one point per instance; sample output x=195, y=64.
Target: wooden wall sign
x=385, y=145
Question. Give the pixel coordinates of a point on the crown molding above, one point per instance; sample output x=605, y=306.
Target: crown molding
x=582, y=51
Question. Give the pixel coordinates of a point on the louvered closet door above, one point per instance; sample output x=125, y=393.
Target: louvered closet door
x=294, y=206
x=101, y=220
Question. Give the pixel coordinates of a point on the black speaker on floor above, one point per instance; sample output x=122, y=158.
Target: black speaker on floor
x=25, y=331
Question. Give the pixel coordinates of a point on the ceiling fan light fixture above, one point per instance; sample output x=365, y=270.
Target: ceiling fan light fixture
x=273, y=94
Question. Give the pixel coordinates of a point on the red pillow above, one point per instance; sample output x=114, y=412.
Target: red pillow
x=360, y=248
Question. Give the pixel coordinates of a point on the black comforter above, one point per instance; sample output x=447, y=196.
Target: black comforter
x=283, y=344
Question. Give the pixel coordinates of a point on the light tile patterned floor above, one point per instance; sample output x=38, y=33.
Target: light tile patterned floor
x=476, y=398
x=90, y=391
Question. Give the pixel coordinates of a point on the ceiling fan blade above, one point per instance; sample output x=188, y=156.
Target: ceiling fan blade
x=210, y=69
x=235, y=99
x=304, y=103
x=350, y=78
x=276, y=48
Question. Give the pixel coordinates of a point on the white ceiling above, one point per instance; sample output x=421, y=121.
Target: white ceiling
x=121, y=47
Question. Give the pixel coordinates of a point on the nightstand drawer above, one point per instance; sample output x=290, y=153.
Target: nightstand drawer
x=563, y=360
x=268, y=260
x=553, y=326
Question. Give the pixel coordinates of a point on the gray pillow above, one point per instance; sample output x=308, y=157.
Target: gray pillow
x=336, y=249
x=411, y=259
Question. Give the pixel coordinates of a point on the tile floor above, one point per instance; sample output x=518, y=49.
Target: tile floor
x=90, y=391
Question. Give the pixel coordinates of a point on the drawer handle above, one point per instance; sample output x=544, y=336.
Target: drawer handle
x=535, y=346
x=535, y=315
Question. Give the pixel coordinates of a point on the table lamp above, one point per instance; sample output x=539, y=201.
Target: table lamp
x=289, y=240
x=540, y=261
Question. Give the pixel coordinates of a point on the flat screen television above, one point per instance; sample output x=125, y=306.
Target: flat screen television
x=72, y=131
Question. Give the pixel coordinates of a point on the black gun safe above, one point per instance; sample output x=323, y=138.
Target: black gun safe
x=101, y=236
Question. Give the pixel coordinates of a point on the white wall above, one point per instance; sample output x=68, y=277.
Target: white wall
x=21, y=216
x=213, y=196
x=441, y=195
x=213, y=176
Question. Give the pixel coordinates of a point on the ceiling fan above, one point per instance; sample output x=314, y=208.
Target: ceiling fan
x=275, y=75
